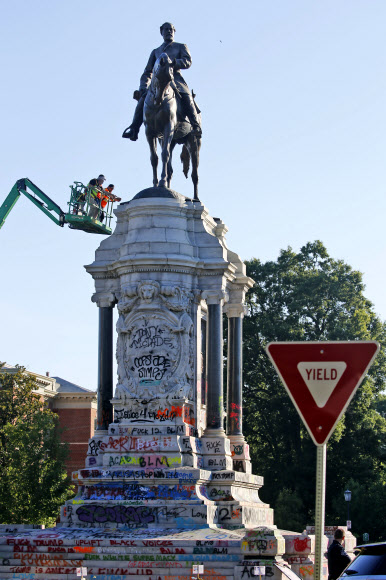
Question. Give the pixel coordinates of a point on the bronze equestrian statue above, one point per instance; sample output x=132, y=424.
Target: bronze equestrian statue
x=163, y=69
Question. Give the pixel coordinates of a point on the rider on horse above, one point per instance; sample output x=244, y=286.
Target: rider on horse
x=180, y=56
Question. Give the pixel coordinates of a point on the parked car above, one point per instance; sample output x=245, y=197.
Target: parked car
x=370, y=563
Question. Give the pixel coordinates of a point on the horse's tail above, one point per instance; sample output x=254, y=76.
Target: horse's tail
x=185, y=158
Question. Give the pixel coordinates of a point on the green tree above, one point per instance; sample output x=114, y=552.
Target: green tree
x=379, y=405
x=310, y=296
x=33, y=479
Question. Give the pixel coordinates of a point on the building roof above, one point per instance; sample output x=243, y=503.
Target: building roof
x=64, y=386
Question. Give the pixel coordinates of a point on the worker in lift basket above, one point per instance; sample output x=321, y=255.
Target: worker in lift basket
x=95, y=187
x=107, y=195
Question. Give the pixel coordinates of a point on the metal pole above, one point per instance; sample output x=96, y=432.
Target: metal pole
x=321, y=453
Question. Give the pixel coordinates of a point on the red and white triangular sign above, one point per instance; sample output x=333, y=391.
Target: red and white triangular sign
x=321, y=378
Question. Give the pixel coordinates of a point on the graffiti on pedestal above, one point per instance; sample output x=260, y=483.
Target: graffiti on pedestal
x=155, y=352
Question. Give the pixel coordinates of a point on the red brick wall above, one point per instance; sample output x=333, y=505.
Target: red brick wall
x=78, y=427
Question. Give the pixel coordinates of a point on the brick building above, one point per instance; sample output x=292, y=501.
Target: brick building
x=76, y=408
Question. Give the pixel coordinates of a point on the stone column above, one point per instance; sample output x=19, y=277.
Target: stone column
x=216, y=447
x=214, y=363
x=235, y=313
x=239, y=448
x=105, y=304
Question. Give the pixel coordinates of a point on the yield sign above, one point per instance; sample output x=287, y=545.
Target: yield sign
x=321, y=378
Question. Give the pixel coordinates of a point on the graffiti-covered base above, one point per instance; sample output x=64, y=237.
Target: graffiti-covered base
x=164, y=486
x=111, y=554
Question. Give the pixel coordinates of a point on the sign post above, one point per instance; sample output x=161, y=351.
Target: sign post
x=321, y=378
x=320, y=495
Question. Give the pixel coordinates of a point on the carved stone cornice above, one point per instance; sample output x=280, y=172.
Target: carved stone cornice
x=235, y=310
x=214, y=296
x=104, y=299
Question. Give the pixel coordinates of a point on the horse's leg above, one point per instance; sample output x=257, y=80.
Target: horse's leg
x=167, y=140
x=194, y=150
x=170, y=166
x=153, y=156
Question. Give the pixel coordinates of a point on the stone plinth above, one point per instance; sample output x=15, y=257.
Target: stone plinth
x=126, y=554
x=166, y=484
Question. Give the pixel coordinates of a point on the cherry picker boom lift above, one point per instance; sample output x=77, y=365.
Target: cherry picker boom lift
x=81, y=204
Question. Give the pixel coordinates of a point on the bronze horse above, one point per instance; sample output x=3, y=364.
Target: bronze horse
x=161, y=116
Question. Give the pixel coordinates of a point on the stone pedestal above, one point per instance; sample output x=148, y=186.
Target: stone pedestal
x=165, y=485
x=168, y=269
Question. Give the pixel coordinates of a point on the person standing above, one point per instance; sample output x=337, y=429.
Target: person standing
x=107, y=195
x=337, y=557
x=95, y=188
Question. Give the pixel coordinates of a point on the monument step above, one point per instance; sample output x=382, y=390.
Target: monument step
x=117, y=473
x=145, y=443
x=73, y=552
x=147, y=493
x=147, y=430
x=154, y=460
x=161, y=576
x=123, y=568
x=41, y=559
x=110, y=541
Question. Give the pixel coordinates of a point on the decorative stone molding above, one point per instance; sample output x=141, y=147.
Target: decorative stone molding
x=234, y=310
x=220, y=231
x=104, y=299
x=214, y=296
x=155, y=349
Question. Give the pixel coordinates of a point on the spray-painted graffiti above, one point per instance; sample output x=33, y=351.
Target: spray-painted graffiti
x=150, y=337
x=235, y=415
x=94, y=446
x=237, y=450
x=213, y=446
x=134, y=491
x=297, y=559
x=248, y=570
x=306, y=571
x=136, y=515
x=152, y=367
x=144, y=461
x=302, y=544
x=117, y=429
x=137, y=474
x=145, y=415
x=239, y=465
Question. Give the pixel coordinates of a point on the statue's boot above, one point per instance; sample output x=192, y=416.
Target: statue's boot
x=132, y=131
x=190, y=110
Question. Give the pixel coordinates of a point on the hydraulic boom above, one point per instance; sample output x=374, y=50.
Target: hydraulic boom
x=37, y=196
x=78, y=216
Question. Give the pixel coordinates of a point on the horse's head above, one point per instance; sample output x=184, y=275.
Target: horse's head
x=163, y=74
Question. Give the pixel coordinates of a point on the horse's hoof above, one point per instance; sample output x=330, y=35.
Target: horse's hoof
x=162, y=183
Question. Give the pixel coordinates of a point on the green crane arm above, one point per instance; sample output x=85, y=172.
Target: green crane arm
x=37, y=196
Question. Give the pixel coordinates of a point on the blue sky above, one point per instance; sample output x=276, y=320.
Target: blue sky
x=293, y=100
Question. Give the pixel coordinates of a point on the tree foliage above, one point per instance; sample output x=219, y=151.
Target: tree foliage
x=310, y=296
x=33, y=479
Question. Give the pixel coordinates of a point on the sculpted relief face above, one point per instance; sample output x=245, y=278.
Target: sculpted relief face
x=147, y=292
